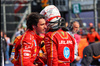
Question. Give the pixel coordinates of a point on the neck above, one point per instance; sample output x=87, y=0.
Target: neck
x=34, y=30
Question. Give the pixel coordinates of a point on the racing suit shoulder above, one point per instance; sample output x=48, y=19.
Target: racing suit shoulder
x=51, y=33
x=50, y=36
x=17, y=38
x=27, y=38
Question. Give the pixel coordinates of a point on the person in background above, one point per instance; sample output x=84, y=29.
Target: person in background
x=82, y=44
x=3, y=48
x=27, y=47
x=93, y=36
x=91, y=55
x=66, y=24
x=12, y=57
x=84, y=28
x=7, y=49
x=58, y=43
x=90, y=25
x=25, y=28
x=20, y=31
x=73, y=32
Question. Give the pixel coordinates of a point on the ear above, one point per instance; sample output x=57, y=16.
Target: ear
x=33, y=26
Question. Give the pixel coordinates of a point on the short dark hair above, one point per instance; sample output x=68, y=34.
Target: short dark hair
x=33, y=19
x=91, y=28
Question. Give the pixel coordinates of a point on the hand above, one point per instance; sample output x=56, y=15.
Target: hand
x=78, y=58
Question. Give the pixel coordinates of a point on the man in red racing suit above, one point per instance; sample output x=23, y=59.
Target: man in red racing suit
x=27, y=47
x=60, y=48
x=58, y=43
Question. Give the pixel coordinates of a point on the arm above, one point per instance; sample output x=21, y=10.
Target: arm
x=98, y=37
x=75, y=50
x=76, y=57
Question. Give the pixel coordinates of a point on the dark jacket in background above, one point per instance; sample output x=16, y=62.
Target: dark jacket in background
x=3, y=46
x=89, y=52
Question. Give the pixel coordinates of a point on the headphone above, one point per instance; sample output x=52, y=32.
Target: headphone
x=71, y=25
x=61, y=23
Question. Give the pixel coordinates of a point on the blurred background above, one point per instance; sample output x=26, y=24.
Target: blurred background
x=14, y=12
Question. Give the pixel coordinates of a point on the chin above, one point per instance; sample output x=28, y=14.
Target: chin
x=42, y=32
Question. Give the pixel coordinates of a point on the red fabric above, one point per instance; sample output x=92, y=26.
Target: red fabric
x=56, y=44
x=27, y=48
x=92, y=36
x=41, y=61
x=15, y=62
x=78, y=38
x=82, y=44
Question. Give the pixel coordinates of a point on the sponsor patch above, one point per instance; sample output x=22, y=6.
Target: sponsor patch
x=65, y=42
x=66, y=52
x=26, y=54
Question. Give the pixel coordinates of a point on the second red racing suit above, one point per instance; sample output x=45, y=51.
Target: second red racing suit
x=60, y=48
x=27, y=48
x=13, y=52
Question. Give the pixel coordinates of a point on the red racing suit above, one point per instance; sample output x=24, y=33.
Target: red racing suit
x=13, y=52
x=60, y=48
x=27, y=48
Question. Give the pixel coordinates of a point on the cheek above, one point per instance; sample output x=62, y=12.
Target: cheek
x=40, y=28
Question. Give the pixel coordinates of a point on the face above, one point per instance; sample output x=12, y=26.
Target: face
x=1, y=34
x=41, y=26
x=66, y=24
x=76, y=27
x=92, y=30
